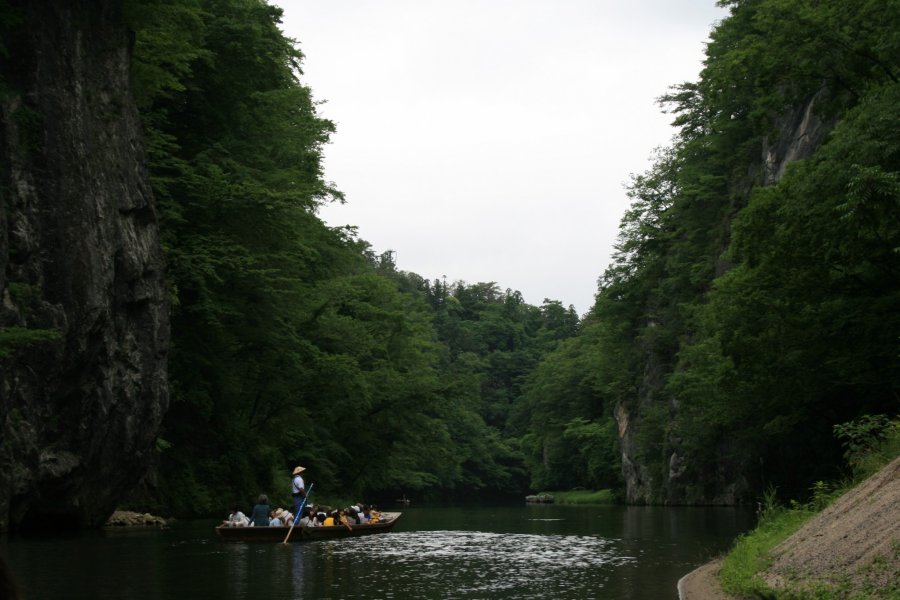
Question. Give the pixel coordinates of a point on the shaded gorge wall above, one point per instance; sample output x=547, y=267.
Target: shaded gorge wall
x=84, y=316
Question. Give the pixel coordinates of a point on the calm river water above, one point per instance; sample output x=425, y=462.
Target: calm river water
x=543, y=551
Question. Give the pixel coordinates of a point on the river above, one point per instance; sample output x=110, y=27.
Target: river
x=539, y=551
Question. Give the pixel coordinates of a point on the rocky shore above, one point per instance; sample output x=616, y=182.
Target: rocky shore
x=125, y=518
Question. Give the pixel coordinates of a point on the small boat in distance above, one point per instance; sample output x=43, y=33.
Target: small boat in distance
x=303, y=534
x=539, y=499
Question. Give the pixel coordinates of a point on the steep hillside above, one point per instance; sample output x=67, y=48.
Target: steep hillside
x=753, y=302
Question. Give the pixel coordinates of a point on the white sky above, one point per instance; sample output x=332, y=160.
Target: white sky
x=490, y=140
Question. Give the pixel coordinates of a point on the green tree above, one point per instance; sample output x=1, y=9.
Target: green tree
x=747, y=320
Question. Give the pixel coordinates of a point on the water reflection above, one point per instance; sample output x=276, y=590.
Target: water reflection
x=455, y=553
x=236, y=561
x=467, y=564
x=298, y=567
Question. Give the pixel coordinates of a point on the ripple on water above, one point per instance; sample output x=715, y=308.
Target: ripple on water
x=460, y=564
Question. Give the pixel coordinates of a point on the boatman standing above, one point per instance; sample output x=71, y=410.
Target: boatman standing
x=298, y=489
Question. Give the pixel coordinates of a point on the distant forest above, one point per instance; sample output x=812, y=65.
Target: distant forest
x=742, y=318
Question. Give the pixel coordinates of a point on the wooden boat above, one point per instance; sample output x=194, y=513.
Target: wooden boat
x=303, y=534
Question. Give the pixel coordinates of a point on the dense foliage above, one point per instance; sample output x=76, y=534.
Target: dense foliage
x=745, y=319
x=293, y=342
x=748, y=309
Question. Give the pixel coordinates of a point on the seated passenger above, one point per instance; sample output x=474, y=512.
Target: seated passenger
x=236, y=519
x=309, y=519
x=260, y=515
x=274, y=521
x=343, y=519
x=286, y=517
x=332, y=519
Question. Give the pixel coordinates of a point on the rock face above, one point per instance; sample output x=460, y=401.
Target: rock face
x=800, y=132
x=641, y=484
x=79, y=260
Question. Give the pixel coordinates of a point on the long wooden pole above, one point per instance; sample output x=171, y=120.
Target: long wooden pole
x=299, y=512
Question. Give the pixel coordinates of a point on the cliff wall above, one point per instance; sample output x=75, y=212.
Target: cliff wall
x=800, y=132
x=80, y=263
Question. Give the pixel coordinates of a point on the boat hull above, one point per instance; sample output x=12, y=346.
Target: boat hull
x=305, y=534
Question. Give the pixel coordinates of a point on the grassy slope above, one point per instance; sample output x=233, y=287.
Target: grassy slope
x=751, y=554
x=583, y=497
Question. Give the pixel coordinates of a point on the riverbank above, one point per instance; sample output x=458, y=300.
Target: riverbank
x=582, y=497
x=126, y=518
x=850, y=549
x=703, y=583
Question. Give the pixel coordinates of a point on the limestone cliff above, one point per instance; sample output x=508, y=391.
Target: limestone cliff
x=79, y=261
x=800, y=132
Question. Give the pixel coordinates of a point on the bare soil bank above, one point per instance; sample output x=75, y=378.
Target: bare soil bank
x=851, y=547
x=702, y=583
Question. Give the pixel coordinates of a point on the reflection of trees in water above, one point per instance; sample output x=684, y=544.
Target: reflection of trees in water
x=634, y=553
x=300, y=585
x=237, y=568
x=276, y=571
x=8, y=587
x=672, y=541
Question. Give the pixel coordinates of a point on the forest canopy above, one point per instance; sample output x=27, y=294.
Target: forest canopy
x=294, y=342
x=751, y=306
x=753, y=302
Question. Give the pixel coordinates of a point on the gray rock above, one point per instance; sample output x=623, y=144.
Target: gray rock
x=79, y=256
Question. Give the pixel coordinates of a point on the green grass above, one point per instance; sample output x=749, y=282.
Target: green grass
x=583, y=497
x=750, y=555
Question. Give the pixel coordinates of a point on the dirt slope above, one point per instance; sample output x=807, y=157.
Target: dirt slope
x=852, y=547
x=702, y=583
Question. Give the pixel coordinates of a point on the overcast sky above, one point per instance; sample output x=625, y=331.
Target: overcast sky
x=490, y=140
